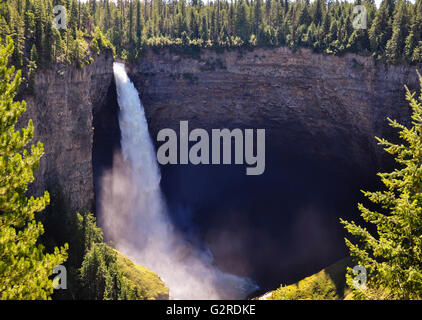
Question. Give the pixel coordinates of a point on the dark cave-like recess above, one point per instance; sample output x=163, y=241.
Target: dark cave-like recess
x=275, y=228
x=106, y=136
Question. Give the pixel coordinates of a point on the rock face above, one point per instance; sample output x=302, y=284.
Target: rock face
x=62, y=111
x=295, y=96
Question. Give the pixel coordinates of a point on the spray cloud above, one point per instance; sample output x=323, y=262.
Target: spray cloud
x=134, y=215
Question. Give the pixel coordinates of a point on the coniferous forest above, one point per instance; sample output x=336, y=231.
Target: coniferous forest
x=393, y=31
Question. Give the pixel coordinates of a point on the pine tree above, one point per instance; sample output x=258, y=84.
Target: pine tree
x=131, y=24
x=395, y=45
x=39, y=30
x=380, y=29
x=24, y=267
x=393, y=257
x=48, y=43
x=317, y=16
x=304, y=17
x=413, y=40
x=19, y=41
x=392, y=36
x=99, y=273
x=32, y=65
x=139, y=25
x=242, y=27
x=204, y=29
x=257, y=17
x=93, y=6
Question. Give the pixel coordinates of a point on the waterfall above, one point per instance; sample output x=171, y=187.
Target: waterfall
x=134, y=214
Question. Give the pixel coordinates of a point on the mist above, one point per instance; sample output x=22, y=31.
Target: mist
x=135, y=218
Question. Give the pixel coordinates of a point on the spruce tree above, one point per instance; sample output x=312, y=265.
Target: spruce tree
x=380, y=30
x=392, y=255
x=138, y=25
x=257, y=17
x=317, y=16
x=24, y=267
x=395, y=45
x=242, y=28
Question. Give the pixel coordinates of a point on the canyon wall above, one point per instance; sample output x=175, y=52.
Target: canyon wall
x=62, y=108
x=298, y=97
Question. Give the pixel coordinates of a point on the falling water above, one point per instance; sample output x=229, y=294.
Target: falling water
x=134, y=214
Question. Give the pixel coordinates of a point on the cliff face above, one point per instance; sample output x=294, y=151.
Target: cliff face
x=62, y=110
x=298, y=97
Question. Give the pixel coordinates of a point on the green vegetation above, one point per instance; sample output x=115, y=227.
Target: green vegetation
x=99, y=272
x=393, y=32
x=38, y=44
x=94, y=268
x=328, y=284
x=392, y=255
x=24, y=266
x=147, y=284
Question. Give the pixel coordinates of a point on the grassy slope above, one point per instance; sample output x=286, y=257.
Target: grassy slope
x=327, y=284
x=146, y=281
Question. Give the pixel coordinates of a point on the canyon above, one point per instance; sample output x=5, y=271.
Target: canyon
x=320, y=113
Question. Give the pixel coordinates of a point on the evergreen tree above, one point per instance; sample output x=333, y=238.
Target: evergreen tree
x=396, y=44
x=99, y=274
x=304, y=17
x=39, y=30
x=317, y=16
x=242, y=28
x=24, y=267
x=394, y=33
x=393, y=256
x=131, y=24
x=380, y=30
x=48, y=43
x=204, y=29
x=413, y=44
x=139, y=24
x=74, y=18
x=257, y=17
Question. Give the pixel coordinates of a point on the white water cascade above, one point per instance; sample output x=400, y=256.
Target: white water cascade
x=134, y=215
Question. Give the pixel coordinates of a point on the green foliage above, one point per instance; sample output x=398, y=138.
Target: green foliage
x=145, y=283
x=393, y=255
x=101, y=42
x=127, y=27
x=328, y=284
x=395, y=46
x=24, y=267
x=100, y=272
